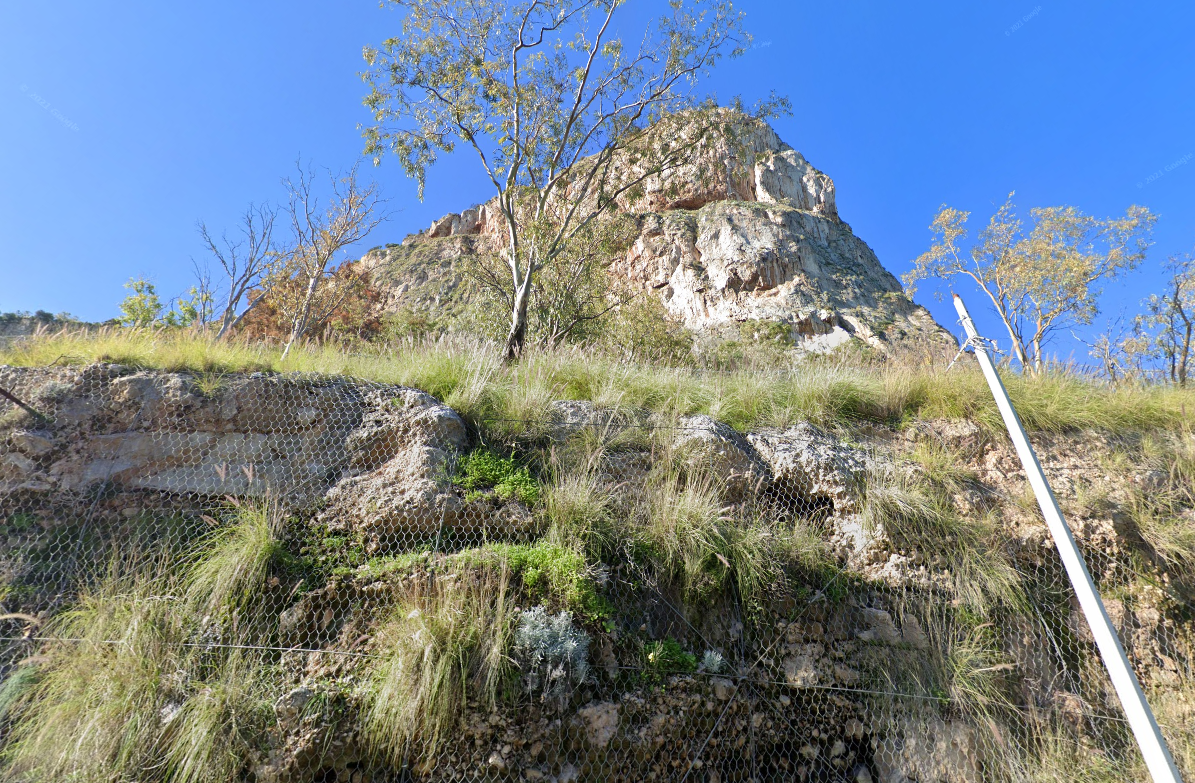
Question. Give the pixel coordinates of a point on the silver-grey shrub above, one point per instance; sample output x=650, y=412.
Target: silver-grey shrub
x=552, y=654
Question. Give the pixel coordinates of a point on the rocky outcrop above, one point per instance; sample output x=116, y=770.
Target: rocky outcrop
x=376, y=455
x=746, y=232
x=707, y=446
x=732, y=263
x=397, y=484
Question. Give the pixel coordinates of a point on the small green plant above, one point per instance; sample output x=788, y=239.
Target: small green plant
x=712, y=662
x=666, y=656
x=1163, y=515
x=577, y=510
x=547, y=571
x=15, y=686
x=483, y=469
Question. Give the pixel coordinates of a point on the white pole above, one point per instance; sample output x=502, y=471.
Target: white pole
x=1136, y=708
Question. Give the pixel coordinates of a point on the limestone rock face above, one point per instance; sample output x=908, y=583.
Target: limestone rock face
x=398, y=478
x=731, y=263
x=377, y=454
x=746, y=232
x=755, y=165
x=812, y=462
x=704, y=444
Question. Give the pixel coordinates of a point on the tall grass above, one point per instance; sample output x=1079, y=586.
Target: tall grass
x=445, y=640
x=1164, y=513
x=147, y=680
x=465, y=373
x=693, y=538
x=228, y=570
x=93, y=714
x=968, y=552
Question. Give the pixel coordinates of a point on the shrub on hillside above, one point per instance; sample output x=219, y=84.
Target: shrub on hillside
x=552, y=654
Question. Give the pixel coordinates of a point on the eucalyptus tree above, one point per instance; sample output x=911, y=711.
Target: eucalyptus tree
x=554, y=103
x=1041, y=280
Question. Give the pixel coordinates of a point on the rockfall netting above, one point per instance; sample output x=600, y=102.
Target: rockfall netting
x=281, y=578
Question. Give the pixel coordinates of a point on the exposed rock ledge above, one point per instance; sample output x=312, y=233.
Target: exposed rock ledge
x=373, y=459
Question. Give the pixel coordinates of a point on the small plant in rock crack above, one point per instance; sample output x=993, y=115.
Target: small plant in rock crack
x=552, y=654
x=668, y=657
x=712, y=662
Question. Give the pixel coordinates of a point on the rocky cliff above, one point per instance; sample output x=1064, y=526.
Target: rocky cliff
x=762, y=244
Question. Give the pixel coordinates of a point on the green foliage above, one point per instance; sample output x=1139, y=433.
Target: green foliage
x=1042, y=280
x=578, y=513
x=409, y=324
x=666, y=656
x=14, y=687
x=227, y=571
x=640, y=330
x=1162, y=513
x=143, y=307
x=483, y=469
x=689, y=535
x=194, y=308
x=548, y=573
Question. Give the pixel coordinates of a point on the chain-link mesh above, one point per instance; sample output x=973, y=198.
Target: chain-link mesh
x=283, y=578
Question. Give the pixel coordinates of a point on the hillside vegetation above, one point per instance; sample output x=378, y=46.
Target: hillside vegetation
x=303, y=569
x=467, y=375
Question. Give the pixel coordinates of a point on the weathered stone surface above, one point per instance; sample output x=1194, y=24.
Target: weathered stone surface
x=878, y=627
x=812, y=463
x=32, y=444
x=706, y=446
x=734, y=262
x=382, y=451
x=927, y=751
x=398, y=460
x=601, y=722
x=800, y=671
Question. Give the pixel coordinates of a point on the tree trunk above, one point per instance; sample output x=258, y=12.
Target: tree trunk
x=516, y=339
x=1186, y=356
x=225, y=324
x=304, y=314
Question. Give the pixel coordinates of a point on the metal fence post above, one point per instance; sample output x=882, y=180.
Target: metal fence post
x=1128, y=689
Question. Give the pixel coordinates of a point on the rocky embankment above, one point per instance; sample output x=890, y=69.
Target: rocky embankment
x=803, y=686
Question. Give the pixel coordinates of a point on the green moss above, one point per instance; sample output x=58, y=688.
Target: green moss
x=483, y=469
x=548, y=573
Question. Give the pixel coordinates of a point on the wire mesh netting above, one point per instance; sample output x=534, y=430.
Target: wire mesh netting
x=292, y=578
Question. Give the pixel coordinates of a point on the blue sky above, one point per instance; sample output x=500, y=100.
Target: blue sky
x=125, y=123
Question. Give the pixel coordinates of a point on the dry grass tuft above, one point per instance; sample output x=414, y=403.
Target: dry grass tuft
x=968, y=553
x=444, y=645
x=131, y=692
